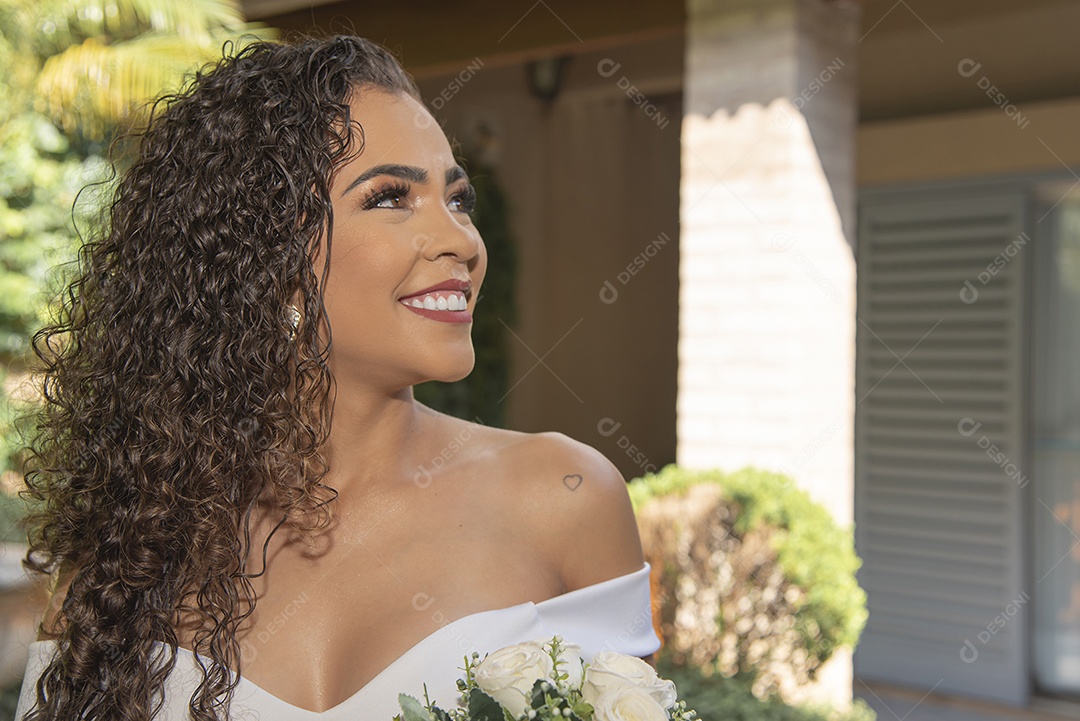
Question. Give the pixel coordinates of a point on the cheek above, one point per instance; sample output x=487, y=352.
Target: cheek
x=367, y=269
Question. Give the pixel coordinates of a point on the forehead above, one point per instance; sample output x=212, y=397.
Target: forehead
x=396, y=129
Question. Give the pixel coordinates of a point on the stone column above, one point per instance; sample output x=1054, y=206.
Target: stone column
x=767, y=270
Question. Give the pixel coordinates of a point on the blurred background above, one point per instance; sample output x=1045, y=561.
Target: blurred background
x=835, y=241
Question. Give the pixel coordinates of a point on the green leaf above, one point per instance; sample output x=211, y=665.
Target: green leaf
x=583, y=709
x=94, y=85
x=412, y=709
x=537, y=697
x=484, y=708
x=67, y=22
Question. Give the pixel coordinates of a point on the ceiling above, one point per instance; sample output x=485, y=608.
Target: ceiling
x=910, y=52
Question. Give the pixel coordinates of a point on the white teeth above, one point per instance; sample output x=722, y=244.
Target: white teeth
x=454, y=302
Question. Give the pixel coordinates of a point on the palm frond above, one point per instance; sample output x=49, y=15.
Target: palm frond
x=67, y=22
x=93, y=86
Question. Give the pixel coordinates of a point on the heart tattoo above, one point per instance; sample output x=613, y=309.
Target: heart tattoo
x=572, y=481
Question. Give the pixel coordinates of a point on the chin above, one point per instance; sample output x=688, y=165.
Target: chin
x=450, y=372
x=454, y=376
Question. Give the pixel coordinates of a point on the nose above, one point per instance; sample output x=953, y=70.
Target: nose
x=445, y=235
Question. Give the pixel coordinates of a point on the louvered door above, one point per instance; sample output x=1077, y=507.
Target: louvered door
x=939, y=439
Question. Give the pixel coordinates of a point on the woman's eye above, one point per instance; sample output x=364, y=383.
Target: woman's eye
x=391, y=201
x=464, y=201
x=391, y=197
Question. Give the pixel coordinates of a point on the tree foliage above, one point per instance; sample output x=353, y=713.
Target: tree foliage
x=75, y=74
x=100, y=62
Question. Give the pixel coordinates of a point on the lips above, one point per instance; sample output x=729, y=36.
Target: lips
x=446, y=301
x=462, y=286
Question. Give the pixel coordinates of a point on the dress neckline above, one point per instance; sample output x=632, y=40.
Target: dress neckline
x=338, y=708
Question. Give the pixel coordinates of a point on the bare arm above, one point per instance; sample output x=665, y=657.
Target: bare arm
x=590, y=515
x=587, y=511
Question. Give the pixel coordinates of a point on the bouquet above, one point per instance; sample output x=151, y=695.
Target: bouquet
x=536, y=681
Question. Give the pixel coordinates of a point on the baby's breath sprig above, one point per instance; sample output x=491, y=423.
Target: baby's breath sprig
x=469, y=682
x=679, y=712
x=554, y=648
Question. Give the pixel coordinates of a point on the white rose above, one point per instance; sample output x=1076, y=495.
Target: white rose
x=628, y=703
x=570, y=663
x=610, y=670
x=508, y=675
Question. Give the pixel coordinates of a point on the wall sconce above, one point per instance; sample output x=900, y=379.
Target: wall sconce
x=545, y=76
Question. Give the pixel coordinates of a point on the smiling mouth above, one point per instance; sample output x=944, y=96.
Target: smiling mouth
x=438, y=300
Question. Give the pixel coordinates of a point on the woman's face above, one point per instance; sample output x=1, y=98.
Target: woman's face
x=401, y=225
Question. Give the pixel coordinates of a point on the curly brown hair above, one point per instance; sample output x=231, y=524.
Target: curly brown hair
x=176, y=403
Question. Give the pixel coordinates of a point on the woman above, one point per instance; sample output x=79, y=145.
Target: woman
x=230, y=503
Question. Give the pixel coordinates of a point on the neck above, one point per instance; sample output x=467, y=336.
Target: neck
x=373, y=440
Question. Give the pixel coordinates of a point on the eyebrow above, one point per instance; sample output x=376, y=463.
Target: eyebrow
x=405, y=172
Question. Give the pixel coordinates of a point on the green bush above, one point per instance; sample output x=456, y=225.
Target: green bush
x=9, y=700
x=12, y=510
x=758, y=580
x=720, y=698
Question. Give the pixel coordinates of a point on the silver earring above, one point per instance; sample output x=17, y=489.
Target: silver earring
x=294, y=319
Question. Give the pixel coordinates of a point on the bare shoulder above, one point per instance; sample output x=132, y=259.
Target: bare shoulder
x=562, y=496
x=577, y=500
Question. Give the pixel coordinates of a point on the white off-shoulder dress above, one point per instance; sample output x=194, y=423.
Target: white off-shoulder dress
x=613, y=615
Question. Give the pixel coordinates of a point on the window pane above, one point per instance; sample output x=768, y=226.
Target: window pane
x=1056, y=453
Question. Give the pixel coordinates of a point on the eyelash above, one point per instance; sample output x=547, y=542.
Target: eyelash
x=466, y=196
x=378, y=195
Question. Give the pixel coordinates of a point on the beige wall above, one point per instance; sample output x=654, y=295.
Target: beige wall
x=970, y=144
